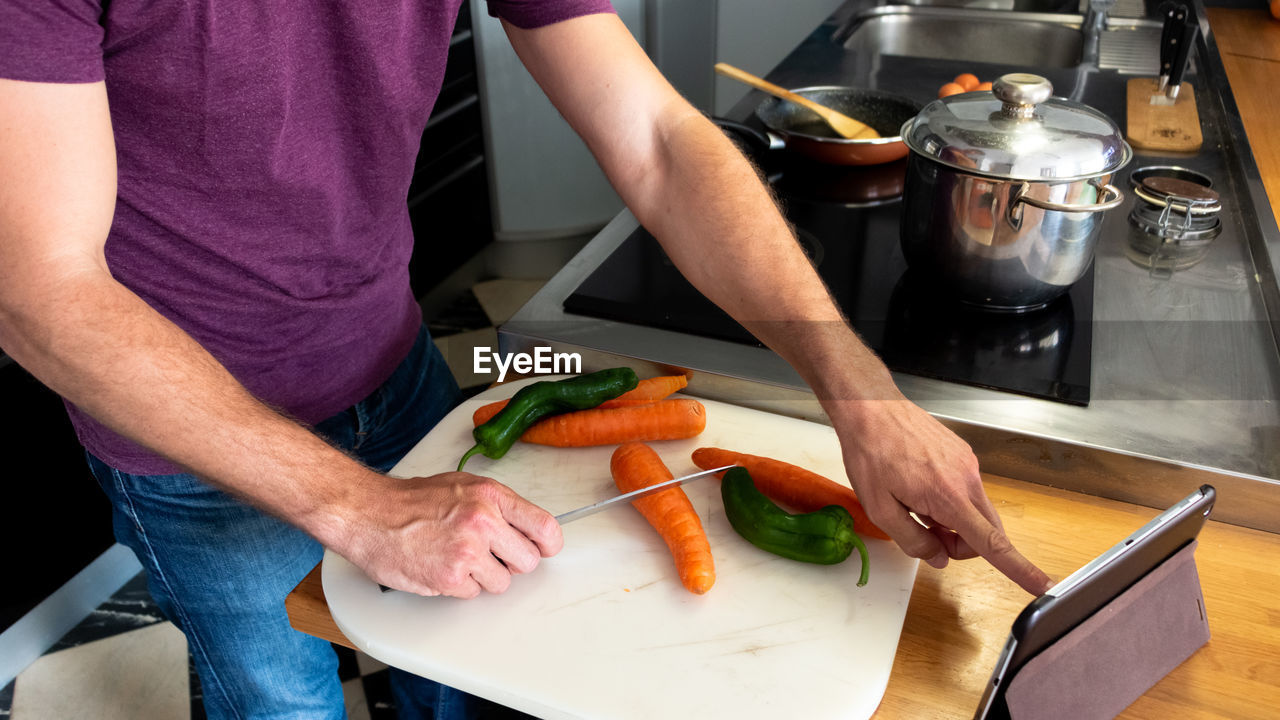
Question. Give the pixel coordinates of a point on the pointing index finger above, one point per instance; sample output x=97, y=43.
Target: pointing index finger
x=990, y=541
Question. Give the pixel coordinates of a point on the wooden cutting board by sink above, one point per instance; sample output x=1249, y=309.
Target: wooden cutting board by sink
x=1156, y=127
x=605, y=630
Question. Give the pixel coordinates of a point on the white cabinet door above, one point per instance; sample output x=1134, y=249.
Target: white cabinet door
x=543, y=182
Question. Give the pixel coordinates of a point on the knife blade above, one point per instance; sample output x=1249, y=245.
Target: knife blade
x=633, y=495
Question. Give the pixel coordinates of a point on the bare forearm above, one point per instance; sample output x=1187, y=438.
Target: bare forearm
x=733, y=244
x=114, y=357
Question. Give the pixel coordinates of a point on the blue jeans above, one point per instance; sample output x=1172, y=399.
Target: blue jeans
x=220, y=570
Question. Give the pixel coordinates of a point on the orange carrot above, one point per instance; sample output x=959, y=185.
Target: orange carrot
x=649, y=390
x=636, y=465
x=485, y=413
x=674, y=419
x=792, y=485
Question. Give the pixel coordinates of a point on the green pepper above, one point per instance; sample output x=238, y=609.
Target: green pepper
x=824, y=536
x=544, y=398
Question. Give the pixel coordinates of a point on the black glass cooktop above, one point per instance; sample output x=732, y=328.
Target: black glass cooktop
x=847, y=221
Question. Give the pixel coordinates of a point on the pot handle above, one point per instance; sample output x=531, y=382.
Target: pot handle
x=1110, y=193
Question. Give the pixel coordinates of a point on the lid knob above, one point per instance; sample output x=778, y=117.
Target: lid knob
x=1020, y=93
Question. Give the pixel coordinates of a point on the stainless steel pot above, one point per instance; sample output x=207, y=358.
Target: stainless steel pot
x=1005, y=192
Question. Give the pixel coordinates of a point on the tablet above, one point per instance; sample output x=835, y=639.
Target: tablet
x=1088, y=589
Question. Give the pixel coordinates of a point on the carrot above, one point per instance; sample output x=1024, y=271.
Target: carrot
x=650, y=390
x=485, y=413
x=674, y=419
x=792, y=485
x=636, y=465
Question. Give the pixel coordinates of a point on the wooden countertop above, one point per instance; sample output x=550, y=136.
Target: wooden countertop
x=959, y=617
x=1249, y=42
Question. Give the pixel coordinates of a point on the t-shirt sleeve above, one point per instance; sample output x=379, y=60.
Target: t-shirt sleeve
x=51, y=40
x=536, y=13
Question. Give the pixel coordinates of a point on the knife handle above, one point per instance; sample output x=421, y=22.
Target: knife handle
x=1174, y=15
x=1185, y=41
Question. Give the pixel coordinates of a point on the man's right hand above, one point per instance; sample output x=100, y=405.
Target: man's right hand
x=451, y=534
x=902, y=461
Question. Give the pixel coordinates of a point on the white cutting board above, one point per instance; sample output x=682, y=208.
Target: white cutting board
x=604, y=629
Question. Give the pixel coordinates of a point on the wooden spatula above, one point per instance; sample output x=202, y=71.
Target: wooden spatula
x=845, y=126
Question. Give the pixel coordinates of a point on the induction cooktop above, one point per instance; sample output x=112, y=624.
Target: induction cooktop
x=847, y=222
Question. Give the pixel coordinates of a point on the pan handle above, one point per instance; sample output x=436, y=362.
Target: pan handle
x=1111, y=197
x=761, y=139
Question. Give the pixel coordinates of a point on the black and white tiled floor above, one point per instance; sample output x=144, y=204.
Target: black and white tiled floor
x=126, y=661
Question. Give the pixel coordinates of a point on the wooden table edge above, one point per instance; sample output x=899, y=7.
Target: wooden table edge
x=308, y=610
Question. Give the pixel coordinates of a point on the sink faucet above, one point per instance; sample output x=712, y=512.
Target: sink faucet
x=1095, y=18
x=1095, y=22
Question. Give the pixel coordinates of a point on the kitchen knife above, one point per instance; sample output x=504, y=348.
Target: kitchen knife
x=1174, y=15
x=622, y=500
x=1186, y=39
x=633, y=495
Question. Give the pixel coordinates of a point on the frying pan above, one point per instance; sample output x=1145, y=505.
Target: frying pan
x=805, y=133
x=795, y=174
x=847, y=185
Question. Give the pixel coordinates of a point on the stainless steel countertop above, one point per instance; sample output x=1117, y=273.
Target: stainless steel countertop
x=1185, y=372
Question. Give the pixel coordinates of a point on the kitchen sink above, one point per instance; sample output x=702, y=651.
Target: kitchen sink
x=1036, y=6
x=967, y=34
x=968, y=31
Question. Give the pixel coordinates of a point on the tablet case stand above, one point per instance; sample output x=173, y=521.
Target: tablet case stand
x=1105, y=663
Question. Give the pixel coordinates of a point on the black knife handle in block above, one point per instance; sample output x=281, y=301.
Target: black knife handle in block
x=1185, y=41
x=1174, y=15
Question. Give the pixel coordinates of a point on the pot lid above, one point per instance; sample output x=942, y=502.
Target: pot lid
x=1018, y=131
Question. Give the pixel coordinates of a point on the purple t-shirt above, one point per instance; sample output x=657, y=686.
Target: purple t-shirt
x=264, y=152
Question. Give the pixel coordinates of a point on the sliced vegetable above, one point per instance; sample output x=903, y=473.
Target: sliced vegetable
x=791, y=485
x=541, y=399
x=646, y=391
x=674, y=419
x=824, y=536
x=635, y=466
